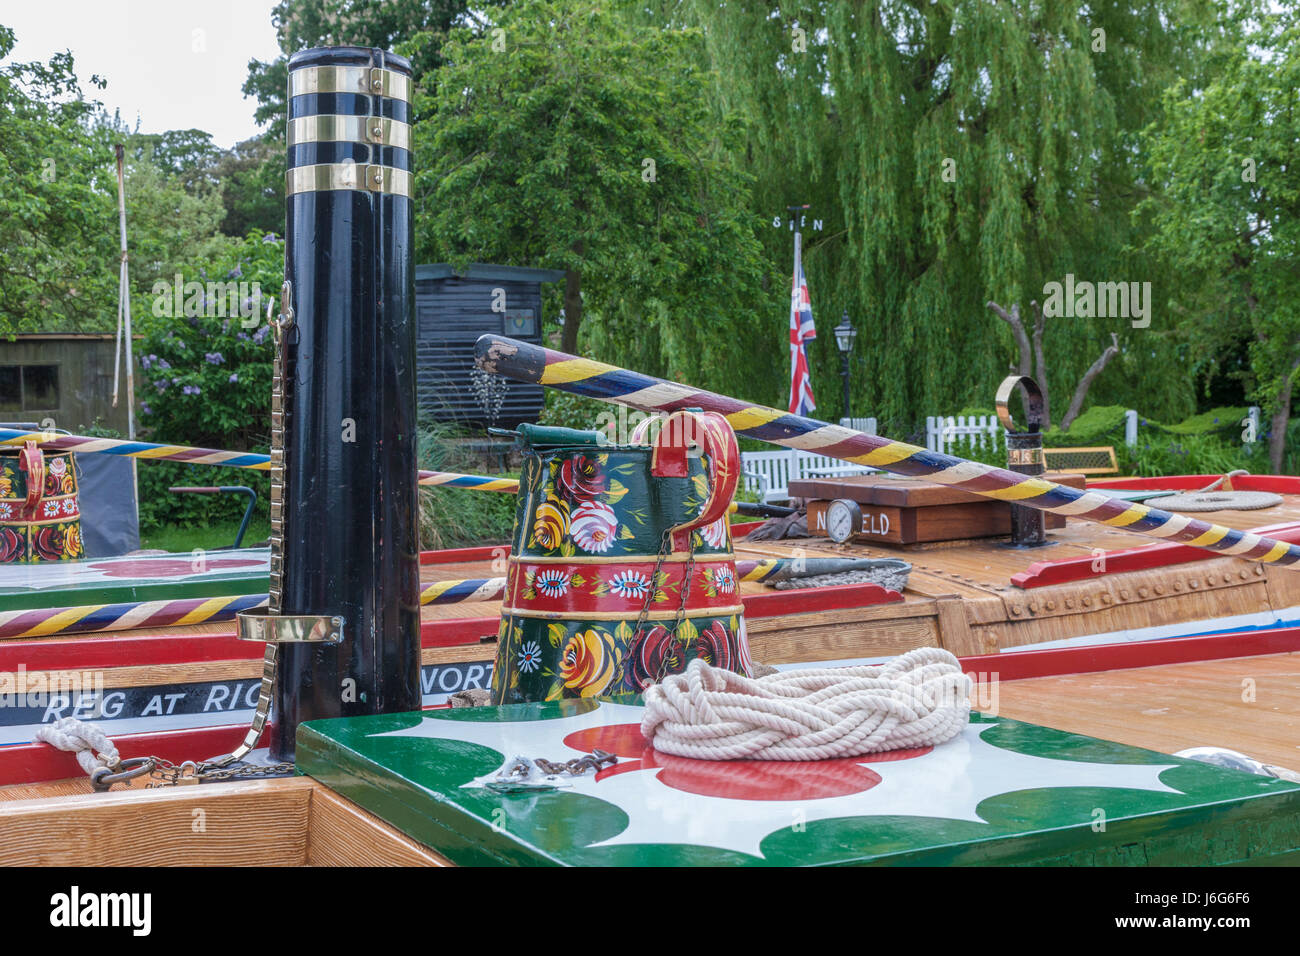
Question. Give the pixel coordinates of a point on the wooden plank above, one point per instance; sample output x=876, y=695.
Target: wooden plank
x=257, y=823
x=954, y=629
x=823, y=638
x=340, y=833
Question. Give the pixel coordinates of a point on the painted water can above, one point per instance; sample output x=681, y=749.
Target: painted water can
x=40, y=519
x=621, y=568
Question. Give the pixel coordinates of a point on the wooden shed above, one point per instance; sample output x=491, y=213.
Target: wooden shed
x=63, y=378
x=453, y=308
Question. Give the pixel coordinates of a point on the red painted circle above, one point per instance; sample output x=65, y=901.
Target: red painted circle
x=169, y=568
x=736, y=779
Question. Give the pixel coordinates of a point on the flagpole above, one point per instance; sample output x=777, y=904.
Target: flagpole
x=796, y=215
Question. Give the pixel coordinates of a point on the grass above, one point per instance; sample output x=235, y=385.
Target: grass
x=184, y=538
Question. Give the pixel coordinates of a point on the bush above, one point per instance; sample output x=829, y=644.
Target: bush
x=1099, y=425
x=459, y=517
x=206, y=381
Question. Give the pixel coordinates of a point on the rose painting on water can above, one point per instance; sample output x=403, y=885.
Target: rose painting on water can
x=40, y=518
x=621, y=568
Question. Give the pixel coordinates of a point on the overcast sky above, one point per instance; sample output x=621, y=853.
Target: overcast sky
x=176, y=64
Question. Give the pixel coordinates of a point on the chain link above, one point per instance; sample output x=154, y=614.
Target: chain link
x=164, y=773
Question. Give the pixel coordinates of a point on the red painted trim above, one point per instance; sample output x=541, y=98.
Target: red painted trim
x=1023, y=665
x=452, y=555
x=803, y=601
x=1141, y=558
x=1278, y=484
x=37, y=762
x=72, y=654
x=743, y=528
x=458, y=630
x=1166, y=483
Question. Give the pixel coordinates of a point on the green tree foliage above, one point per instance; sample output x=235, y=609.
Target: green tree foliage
x=252, y=186
x=205, y=377
x=385, y=24
x=58, y=240
x=957, y=152
x=1227, y=214
x=560, y=137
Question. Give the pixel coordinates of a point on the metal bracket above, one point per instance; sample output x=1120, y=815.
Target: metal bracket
x=290, y=628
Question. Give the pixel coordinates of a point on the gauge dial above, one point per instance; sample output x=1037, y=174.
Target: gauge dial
x=843, y=519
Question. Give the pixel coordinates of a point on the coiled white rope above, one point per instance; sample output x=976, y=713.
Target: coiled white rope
x=1207, y=499
x=918, y=699
x=93, y=749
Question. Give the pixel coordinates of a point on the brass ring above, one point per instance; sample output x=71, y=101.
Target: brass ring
x=348, y=175
x=362, y=80
x=1033, y=397
x=333, y=128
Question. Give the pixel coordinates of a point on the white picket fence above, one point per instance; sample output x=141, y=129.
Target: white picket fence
x=770, y=472
x=942, y=431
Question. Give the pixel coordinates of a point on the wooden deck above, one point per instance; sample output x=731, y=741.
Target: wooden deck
x=1248, y=704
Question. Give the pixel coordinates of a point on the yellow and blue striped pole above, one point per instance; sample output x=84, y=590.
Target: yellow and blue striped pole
x=526, y=362
x=55, y=441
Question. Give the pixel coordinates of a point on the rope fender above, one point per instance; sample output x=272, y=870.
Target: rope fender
x=919, y=699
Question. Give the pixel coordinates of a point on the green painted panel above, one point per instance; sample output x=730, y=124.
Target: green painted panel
x=1004, y=792
x=155, y=577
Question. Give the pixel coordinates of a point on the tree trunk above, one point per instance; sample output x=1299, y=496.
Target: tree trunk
x=1281, y=419
x=1040, y=367
x=1012, y=319
x=1081, y=392
x=572, y=305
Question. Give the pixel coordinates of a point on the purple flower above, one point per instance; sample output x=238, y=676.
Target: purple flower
x=260, y=335
x=144, y=408
x=234, y=377
x=148, y=360
x=235, y=273
x=162, y=364
x=191, y=390
x=243, y=337
x=214, y=358
x=162, y=385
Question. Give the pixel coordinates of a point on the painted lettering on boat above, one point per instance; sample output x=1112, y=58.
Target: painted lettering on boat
x=28, y=701
x=872, y=522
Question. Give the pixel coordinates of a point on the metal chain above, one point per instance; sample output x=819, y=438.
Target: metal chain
x=681, y=609
x=164, y=773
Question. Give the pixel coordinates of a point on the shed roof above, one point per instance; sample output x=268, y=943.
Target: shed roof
x=491, y=273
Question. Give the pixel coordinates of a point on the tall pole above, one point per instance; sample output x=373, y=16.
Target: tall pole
x=844, y=372
x=124, y=302
x=348, y=515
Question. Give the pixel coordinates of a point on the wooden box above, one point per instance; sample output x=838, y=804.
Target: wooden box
x=912, y=510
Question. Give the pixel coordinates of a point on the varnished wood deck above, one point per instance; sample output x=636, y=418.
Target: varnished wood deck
x=1248, y=704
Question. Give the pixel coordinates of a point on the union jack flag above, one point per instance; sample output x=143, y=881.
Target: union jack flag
x=802, y=331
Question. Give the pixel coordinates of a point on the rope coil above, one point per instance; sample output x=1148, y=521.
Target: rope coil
x=918, y=699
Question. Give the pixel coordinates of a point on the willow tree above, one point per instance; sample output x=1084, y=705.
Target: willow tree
x=958, y=151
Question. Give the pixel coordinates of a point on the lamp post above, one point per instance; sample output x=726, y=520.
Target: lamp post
x=844, y=334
